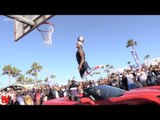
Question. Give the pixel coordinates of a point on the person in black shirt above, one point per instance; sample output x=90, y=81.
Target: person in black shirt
x=73, y=89
x=80, y=57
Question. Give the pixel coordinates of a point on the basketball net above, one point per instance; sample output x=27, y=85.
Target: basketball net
x=46, y=30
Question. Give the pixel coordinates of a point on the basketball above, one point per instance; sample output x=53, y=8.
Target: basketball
x=81, y=39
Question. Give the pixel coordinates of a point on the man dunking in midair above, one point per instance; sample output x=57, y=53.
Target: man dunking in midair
x=80, y=56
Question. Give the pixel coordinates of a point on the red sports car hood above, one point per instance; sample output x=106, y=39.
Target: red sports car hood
x=152, y=90
x=138, y=96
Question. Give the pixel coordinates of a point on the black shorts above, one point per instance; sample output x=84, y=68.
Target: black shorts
x=85, y=67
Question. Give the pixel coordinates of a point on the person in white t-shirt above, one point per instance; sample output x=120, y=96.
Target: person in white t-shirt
x=130, y=80
x=142, y=77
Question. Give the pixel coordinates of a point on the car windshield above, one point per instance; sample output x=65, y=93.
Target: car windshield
x=101, y=92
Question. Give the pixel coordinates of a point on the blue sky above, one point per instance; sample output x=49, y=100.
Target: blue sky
x=105, y=43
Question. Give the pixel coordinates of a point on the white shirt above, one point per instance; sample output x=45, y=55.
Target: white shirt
x=130, y=78
x=142, y=76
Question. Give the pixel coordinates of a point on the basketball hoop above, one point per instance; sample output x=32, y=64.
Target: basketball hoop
x=46, y=30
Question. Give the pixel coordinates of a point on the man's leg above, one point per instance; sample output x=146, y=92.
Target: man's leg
x=86, y=68
x=81, y=73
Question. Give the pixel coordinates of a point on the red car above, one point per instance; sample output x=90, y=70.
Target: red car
x=109, y=95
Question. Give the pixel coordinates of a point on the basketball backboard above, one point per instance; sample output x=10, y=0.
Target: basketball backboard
x=24, y=24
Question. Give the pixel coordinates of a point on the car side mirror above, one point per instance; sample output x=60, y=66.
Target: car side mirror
x=87, y=101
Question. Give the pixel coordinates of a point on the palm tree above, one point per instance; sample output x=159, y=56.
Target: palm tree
x=129, y=62
x=146, y=57
x=53, y=76
x=15, y=72
x=46, y=79
x=7, y=69
x=107, y=66
x=29, y=72
x=35, y=68
x=73, y=78
x=132, y=43
x=107, y=70
x=96, y=72
x=30, y=80
x=11, y=71
x=111, y=67
x=39, y=81
x=21, y=78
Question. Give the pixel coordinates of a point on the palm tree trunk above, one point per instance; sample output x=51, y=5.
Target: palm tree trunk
x=133, y=48
x=36, y=77
x=15, y=79
x=36, y=80
x=9, y=77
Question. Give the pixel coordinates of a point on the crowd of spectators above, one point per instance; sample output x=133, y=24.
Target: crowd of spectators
x=128, y=79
